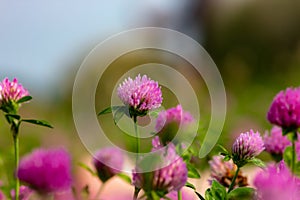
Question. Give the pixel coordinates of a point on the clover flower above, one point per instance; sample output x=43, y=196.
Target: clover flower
x=275, y=142
x=224, y=171
x=108, y=162
x=168, y=122
x=247, y=146
x=10, y=93
x=285, y=109
x=172, y=177
x=276, y=182
x=24, y=193
x=140, y=94
x=46, y=171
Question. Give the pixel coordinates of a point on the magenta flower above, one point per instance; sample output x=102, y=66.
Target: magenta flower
x=247, y=146
x=2, y=197
x=46, y=171
x=108, y=162
x=224, y=171
x=10, y=93
x=164, y=180
x=276, y=182
x=140, y=94
x=275, y=142
x=168, y=122
x=285, y=109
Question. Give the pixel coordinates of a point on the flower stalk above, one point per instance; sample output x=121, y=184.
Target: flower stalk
x=233, y=180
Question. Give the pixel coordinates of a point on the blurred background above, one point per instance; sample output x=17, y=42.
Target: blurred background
x=255, y=44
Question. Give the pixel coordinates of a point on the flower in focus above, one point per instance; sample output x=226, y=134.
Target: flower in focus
x=276, y=182
x=168, y=122
x=246, y=147
x=24, y=193
x=285, y=109
x=46, y=171
x=10, y=93
x=275, y=142
x=108, y=162
x=224, y=171
x=172, y=177
x=140, y=94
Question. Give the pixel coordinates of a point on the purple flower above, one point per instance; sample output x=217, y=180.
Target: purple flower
x=224, y=171
x=247, y=146
x=172, y=177
x=2, y=197
x=275, y=142
x=140, y=94
x=168, y=122
x=46, y=171
x=24, y=193
x=10, y=93
x=108, y=162
x=285, y=109
x=276, y=182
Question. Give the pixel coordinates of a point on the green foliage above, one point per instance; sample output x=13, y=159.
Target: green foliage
x=87, y=168
x=24, y=99
x=257, y=162
x=216, y=192
x=288, y=156
x=242, y=193
x=38, y=122
x=124, y=177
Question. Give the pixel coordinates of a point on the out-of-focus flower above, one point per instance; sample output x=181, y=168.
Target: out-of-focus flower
x=46, y=171
x=140, y=94
x=285, y=109
x=185, y=195
x=224, y=171
x=168, y=122
x=247, y=146
x=2, y=197
x=275, y=142
x=24, y=193
x=10, y=93
x=108, y=162
x=172, y=177
x=276, y=182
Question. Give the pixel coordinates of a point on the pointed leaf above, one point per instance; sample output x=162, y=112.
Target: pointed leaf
x=190, y=185
x=192, y=171
x=24, y=99
x=124, y=177
x=38, y=122
x=223, y=150
x=87, y=168
x=257, y=162
x=119, y=113
x=105, y=111
x=242, y=193
x=13, y=116
x=199, y=195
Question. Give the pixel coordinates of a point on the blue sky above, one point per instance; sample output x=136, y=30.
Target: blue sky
x=39, y=40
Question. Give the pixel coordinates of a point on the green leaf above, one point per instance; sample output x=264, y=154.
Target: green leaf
x=223, y=150
x=216, y=192
x=87, y=168
x=155, y=196
x=297, y=168
x=24, y=99
x=124, y=177
x=105, y=111
x=242, y=193
x=38, y=122
x=190, y=185
x=119, y=113
x=288, y=156
x=13, y=116
x=227, y=158
x=257, y=162
x=192, y=171
x=199, y=195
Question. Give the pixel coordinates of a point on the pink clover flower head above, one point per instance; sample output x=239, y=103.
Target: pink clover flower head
x=10, y=93
x=108, y=162
x=46, y=170
x=275, y=142
x=172, y=177
x=247, y=146
x=24, y=193
x=285, y=109
x=276, y=182
x=140, y=94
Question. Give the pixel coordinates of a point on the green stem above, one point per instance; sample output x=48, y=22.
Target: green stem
x=136, y=193
x=293, y=156
x=100, y=190
x=179, y=195
x=137, y=137
x=16, y=148
x=233, y=180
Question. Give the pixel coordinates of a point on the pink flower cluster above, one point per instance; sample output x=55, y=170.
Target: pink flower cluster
x=141, y=93
x=276, y=182
x=285, y=109
x=275, y=142
x=11, y=91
